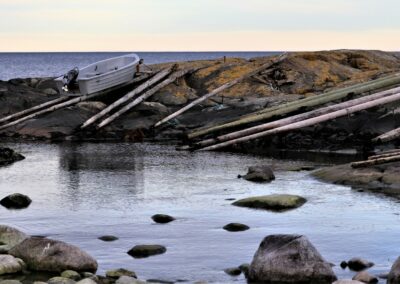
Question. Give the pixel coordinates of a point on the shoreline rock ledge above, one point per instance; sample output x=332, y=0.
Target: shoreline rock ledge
x=289, y=259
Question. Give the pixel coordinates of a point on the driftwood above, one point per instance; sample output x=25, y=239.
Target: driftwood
x=388, y=136
x=32, y=109
x=309, y=122
x=297, y=105
x=295, y=118
x=373, y=162
x=172, y=78
x=127, y=97
x=384, y=155
x=51, y=109
x=219, y=90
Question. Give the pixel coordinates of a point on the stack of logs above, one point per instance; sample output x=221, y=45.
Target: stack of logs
x=379, y=159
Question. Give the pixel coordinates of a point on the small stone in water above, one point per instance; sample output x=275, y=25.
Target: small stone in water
x=343, y=264
x=236, y=227
x=235, y=271
x=162, y=218
x=108, y=238
x=141, y=251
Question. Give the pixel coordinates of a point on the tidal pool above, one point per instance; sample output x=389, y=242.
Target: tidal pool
x=83, y=191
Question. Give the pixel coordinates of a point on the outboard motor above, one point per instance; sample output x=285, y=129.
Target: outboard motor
x=70, y=78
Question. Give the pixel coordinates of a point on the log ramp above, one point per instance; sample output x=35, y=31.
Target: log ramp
x=303, y=119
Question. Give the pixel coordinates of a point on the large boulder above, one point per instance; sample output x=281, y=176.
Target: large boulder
x=16, y=201
x=259, y=174
x=10, y=237
x=289, y=259
x=274, y=202
x=394, y=274
x=44, y=254
x=10, y=264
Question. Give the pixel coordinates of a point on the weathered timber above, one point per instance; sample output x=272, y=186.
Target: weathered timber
x=388, y=136
x=219, y=90
x=295, y=118
x=51, y=109
x=32, y=109
x=309, y=122
x=156, y=78
x=384, y=155
x=172, y=78
x=290, y=107
x=373, y=162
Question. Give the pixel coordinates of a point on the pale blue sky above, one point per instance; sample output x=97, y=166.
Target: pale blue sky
x=79, y=25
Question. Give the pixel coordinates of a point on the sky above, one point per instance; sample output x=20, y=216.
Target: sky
x=198, y=25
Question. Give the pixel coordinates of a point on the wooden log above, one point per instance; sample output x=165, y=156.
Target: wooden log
x=156, y=78
x=384, y=155
x=295, y=118
x=308, y=122
x=290, y=107
x=374, y=162
x=219, y=90
x=51, y=109
x=388, y=136
x=172, y=78
x=32, y=109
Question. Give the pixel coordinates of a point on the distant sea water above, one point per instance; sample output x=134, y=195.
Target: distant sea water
x=28, y=65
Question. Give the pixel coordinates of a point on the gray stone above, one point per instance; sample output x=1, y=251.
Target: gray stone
x=394, y=274
x=120, y=272
x=16, y=201
x=50, y=91
x=141, y=251
x=365, y=277
x=71, y=275
x=10, y=264
x=259, y=174
x=274, y=202
x=10, y=237
x=86, y=281
x=60, y=280
x=358, y=264
x=42, y=254
x=289, y=259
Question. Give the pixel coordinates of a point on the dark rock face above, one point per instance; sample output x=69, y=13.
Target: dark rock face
x=9, y=156
x=162, y=218
x=141, y=251
x=236, y=227
x=108, y=238
x=394, y=274
x=43, y=254
x=259, y=174
x=359, y=264
x=289, y=259
x=274, y=202
x=16, y=201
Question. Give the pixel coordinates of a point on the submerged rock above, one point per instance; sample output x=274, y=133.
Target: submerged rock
x=365, y=277
x=70, y=274
x=108, y=238
x=120, y=272
x=289, y=259
x=234, y=271
x=9, y=156
x=10, y=237
x=43, y=254
x=358, y=264
x=259, y=174
x=141, y=251
x=10, y=264
x=16, y=201
x=274, y=202
x=236, y=227
x=162, y=218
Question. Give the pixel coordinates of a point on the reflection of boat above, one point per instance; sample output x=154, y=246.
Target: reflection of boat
x=98, y=76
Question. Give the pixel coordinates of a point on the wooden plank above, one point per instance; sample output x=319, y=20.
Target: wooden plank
x=127, y=97
x=172, y=78
x=218, y=90
x=374, y=162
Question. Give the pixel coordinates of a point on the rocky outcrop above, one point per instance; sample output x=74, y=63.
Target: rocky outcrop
x=273, y=202
x=16, y=201
x=10, y=237
x=9, y=156
x=259, y=174
x=289, y=259
x=44, y=254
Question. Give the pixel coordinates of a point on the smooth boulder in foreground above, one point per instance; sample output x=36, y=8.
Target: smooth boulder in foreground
x=289, y=259
x=42, y=254
x=10, y=264
x=274, y=202
x=16, y=201
x=141, y=251
x=259, y=174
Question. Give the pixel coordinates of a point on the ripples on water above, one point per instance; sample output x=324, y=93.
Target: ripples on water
x=25, y=65
x=83, y=191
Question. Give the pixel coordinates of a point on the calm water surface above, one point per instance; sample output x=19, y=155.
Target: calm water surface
x=83, y=191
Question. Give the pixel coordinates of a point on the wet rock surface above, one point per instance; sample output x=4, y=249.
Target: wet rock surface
x=289, y=259
x=273, y=202
x=16, y=201
x=141, y=251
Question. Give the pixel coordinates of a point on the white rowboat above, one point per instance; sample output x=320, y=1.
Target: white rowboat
x=102, y=75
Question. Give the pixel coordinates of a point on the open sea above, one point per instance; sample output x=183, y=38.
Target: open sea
x=52, y=64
